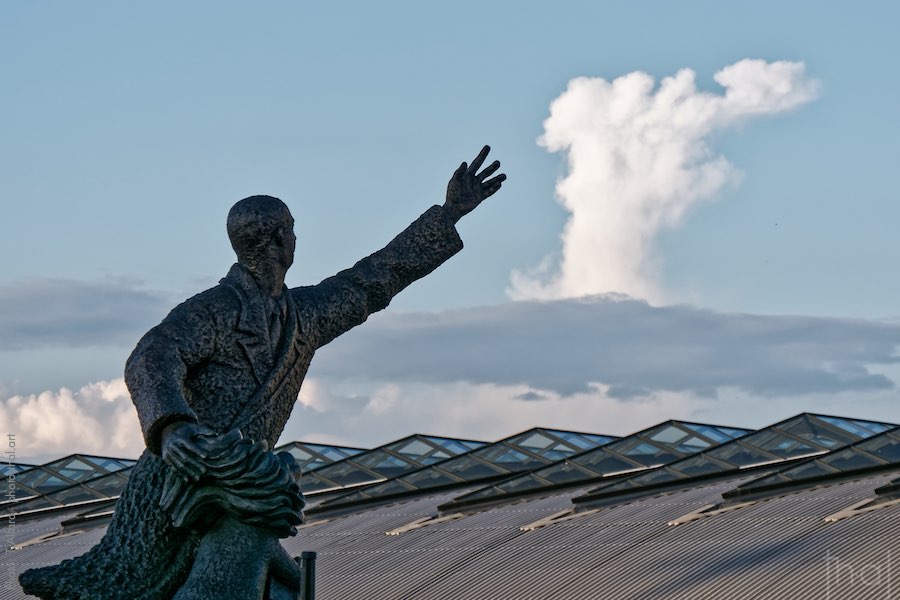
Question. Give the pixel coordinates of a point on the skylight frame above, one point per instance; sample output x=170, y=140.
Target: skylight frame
x=511, y=443
x=496, y=492
x=633, y=485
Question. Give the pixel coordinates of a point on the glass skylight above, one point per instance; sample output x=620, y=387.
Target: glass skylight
x=310, y=457
x=803, y=435
x=64, y=472
x=13, y=468
x=654, y=446
x=878, y=450
x=385, y=462
x=521, y=452
x=104, y=486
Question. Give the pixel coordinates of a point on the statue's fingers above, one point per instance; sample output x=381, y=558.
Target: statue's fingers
x=494, y=181
x=490, y=187
x=190, y=449
x=489, y=170
x=185, y=464
x=459, y=172
x=479, y=160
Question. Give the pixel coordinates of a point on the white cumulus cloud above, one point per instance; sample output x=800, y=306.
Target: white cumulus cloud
x=638, y=159
x=99, y=419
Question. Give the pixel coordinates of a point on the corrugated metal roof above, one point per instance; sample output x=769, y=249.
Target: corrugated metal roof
x=779, y=547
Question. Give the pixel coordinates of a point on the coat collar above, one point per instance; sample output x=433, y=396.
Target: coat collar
x=253, y=322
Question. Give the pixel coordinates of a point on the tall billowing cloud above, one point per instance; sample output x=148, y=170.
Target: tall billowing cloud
x=638, y=159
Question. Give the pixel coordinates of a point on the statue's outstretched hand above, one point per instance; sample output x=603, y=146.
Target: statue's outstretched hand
x=467, y=187
x=180, y=451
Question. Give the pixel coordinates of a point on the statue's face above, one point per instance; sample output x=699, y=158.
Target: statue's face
x=289, y=243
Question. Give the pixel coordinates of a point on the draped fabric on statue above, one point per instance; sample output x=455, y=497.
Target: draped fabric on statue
x=214, y=360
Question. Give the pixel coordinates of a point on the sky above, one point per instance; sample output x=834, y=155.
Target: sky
x=698, y=220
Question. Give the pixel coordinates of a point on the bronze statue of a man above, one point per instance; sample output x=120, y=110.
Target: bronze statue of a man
x=234, y=357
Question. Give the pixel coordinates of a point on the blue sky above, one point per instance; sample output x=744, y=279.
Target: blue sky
x=128, y=130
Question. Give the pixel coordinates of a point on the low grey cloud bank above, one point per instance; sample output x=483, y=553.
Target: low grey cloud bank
x=628, y=345
x=65, y=312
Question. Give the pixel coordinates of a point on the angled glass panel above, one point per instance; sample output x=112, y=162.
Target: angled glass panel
x=740, y=453
x=808, y=428
x=78, y=470
x=502, y=455
x=386, y=465
x=713, y=433
x=851, y=460
x=310, y=457
x=385, y=462
x=733, y=432
x=657, y=476
x=61, y=462
x=339, y=474
x=455, y=446
x=13, y=468
x=801, y=435
x=514, y=455
x=654, y=446
x=76, y=493
x=33, y=504
x=468, y=468
x=426, y=478
x=693, y=444
x=415, y=449
x=21, y=491
x=621, y=486
x=885, y=446
x=438, y=456
x=522, y=483
x=701, y=465
x=312, y=465
x=857, y=426
x=601, y=462
x=880, y=449
x=33, y=477
x=535, y=441
x=789, y=448
x=557, y=452
x=300, y=454
x=313, y=482
x=583, y=441
x=669, y=435
x=109, y=485
x=646, y=453
x=111, y=464
x=389, y=487
x=335, y=454
x=45, y=482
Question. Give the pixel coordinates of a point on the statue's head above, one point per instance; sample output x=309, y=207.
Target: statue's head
x=261, y=230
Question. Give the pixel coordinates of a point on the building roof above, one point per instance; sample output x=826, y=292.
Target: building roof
x=836, y=535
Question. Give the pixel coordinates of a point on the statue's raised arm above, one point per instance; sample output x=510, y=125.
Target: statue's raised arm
x=345, y=300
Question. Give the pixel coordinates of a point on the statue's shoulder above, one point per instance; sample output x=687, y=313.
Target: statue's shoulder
x=217, y=302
